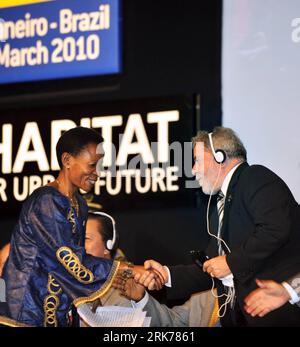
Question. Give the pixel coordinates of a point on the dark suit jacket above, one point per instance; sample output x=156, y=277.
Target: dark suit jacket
x=261, y=227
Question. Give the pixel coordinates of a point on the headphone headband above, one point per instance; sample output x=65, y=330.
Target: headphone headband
x=109, y=243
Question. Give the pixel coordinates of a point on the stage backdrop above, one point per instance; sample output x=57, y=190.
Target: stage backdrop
x=148, y=153
x=260, y=77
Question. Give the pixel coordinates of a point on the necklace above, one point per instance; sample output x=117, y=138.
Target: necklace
x=73, y=200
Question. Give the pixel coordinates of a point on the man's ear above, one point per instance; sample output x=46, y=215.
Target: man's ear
x=66, y=160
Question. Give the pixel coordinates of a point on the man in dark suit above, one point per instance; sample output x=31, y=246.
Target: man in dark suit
x=253, y=227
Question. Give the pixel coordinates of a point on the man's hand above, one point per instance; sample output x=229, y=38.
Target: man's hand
x=268, y=297
x=146, y=280
x=148, y=276
x=127, y=271
x=217, y=267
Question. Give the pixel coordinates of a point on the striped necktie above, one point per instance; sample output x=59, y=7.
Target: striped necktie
x=220, y=207
x=230, y=292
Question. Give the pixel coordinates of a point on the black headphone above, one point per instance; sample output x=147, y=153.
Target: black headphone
x=219, y=154
x=109, y=243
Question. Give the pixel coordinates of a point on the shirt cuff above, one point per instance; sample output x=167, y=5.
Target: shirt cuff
x=142, y=303
x=294, y=296
x=227, y=280
x=169, y=282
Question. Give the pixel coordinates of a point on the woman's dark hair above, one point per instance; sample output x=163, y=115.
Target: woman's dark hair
x=105, y=230
x=75, y=140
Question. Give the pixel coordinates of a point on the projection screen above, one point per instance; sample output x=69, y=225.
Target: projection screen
x=260, y=76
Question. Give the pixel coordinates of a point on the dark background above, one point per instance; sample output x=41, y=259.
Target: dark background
x=170, y=47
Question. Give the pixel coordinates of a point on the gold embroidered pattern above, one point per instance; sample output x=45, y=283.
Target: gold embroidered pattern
x=103, y=290
x=53, y=286
x=73, y=265
x=72, y=220
x=51, y=303
x=13, y=323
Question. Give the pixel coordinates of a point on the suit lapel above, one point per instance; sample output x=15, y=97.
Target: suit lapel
x=230, y=196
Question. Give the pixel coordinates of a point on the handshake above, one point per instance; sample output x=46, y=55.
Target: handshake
x=133, y=280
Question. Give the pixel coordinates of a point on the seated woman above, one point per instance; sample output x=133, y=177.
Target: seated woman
x=101, y=240
x=48, y=268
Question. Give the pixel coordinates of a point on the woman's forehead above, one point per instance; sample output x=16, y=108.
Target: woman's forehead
x=89, y=152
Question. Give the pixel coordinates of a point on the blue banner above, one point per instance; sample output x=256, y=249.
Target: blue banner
x=42, y=40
